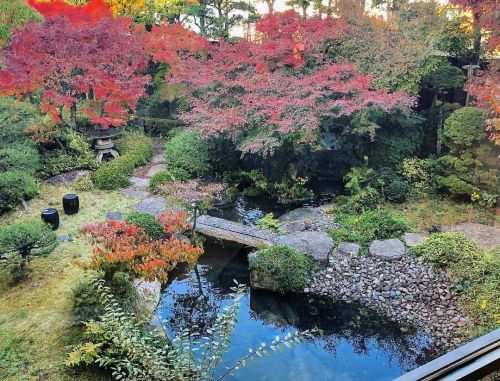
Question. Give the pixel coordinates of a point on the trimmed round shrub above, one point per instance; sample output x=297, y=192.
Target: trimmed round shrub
x=86, y=301
x=148, y=223
x=16, y=186
x=22, y=157
x=396, y=191
x=288, y=268
x=20, y=242
x=15, y=118
x=420, y=174
x=366, y=199
x=138, y=144
x=446, y=249
x=463, y=128
x=27, y=239
x=188, y=151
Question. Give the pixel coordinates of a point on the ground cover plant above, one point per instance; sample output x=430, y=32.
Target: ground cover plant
x=475, y=271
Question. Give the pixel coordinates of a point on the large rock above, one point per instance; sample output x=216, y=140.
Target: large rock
x=136, y=193
x=348, y=248
x=260, y=281
x=387, y=249
x=154, y=206
x=412, y=239
x=317, y=244
x=486, y=236
x=68, y=177
x=306, y=218
x=149, y=295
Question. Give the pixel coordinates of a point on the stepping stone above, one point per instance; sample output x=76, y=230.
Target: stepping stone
x=139, y=182
x=158, y=159
x=317, y=244
x=348, y=248
x=486, y=236
x=412, y=239
x=63, y=238
x=68, y=177
x=155, y=169
x=154, y=206
x=387, y=249
x=136, y=193
x=114, y=216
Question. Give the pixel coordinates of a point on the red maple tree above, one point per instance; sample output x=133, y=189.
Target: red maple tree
x=280, y=85
x=77, y=56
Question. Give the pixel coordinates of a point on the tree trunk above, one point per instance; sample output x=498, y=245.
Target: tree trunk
x=270, y=6
x=477, y=39
x=72, y=117
x=438, y=131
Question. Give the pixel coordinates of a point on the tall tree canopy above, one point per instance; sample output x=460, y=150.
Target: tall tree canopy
x=77, y=56
x=118, y=7
x=14, y=14
x=280, y=86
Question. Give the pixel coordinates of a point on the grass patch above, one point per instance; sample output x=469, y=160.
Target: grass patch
x=37, y=328
x=427, y=212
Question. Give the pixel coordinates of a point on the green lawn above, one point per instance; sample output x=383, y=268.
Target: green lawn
x=37, y=329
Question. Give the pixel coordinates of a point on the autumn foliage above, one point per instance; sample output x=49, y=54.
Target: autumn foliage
x=124, y=244
x=280, y=85
x=77, y=57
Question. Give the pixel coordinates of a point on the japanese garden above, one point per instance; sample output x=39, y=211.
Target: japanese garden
x=279, y=190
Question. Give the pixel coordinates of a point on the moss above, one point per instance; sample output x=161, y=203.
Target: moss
x=37, y=328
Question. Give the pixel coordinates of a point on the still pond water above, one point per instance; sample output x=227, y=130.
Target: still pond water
x=358, y=344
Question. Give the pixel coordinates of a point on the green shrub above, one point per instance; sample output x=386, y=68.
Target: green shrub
x=288, y=268
x=396, y=191
x=268, y=222
x=137, y=144
x=420, y=174
x=22, y=157
x=366, y=199
x=87, y=304
x=476, y=273
x=166, y=176
x=15, y=118
x=148, y=223
x=446, y=249
x=188, y=151
x=135, y=150
x=76, y=154
x=16, y=186
x=463, y=128
x=21, y=241
x=368, y=226
x=160, y=126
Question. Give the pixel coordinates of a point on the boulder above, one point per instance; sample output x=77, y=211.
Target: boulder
x=306, y=218
x=348, y=248
x=486, y=236
x=115, y=216
x=412, y=239
x=260, y=281
x=154, y=206
x=387, y=249
x=148, y=293
x=317, y=244
x=68, y=177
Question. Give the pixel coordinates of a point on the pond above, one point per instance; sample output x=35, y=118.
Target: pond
x=249, y=210
x=358, y=344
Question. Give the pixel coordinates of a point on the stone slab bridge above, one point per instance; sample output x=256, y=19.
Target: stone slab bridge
x=235, y=232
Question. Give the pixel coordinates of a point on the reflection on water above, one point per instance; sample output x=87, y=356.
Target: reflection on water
x=358, y=344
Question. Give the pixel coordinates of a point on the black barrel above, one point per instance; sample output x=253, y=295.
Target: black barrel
x=51, y=217
x=71, y=203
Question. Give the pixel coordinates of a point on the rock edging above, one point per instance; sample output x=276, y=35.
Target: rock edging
x=406, y=290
